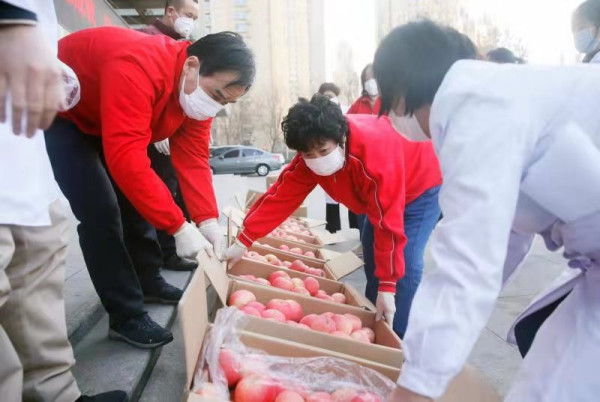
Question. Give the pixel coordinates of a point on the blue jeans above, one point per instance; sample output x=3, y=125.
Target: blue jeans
x=420, y=217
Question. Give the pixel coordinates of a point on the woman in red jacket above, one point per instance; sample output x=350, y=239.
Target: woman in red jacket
x=362, y=162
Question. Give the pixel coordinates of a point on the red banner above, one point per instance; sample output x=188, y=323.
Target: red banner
x=74, y=15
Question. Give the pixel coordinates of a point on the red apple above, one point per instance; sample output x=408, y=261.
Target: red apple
x=310, y=254
x=286, y=264
x=366, y=397
x=250, y=311
x=283, y=283
x=302, y=291
x=278, y=274
x=296, y=312
x=328, y=314
x=248, y=277
x=255, y=389
x=262, y=281
x=341, y=335
x=356, y=322
x=312, y=285
x=344, y=395
x=284, y=247
x=291, y=309
x=342, y=324
x=308, y=319
x=303, y=326
x=296, y=250
x=230, y=363
x=319, y=397
x=256, y=305
x=298, y=283
x=324, y=296
x=316, y=271
x=271, y=258
x=241, y=297
x=292, y=323
x=298, y=265
x=323, y=324
x=289, y=396
x=360, y=336
x=369, y=332
x=275, y=315
x=339, y=298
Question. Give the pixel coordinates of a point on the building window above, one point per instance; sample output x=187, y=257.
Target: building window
x=241, y=16
x=241, y=28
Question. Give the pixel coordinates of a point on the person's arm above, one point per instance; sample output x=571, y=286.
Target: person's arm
x=281, y=200
x=482, y=154
x=190, y=152
x=126, y=98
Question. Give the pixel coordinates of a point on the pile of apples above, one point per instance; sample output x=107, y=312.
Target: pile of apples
x=296, y=250
x=308, y=287
x=247, y=375
x=280, y=234
x=295, y=227
x=290, y=312
x=297, y=265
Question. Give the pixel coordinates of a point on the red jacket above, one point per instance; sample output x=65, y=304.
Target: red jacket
x=382, y=173
x=130, y=98
x=363, y=106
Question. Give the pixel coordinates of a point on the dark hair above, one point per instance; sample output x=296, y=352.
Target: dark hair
x=175, y=3
x=363, y=78
x=329, y=86
x=224, y=51
x=590, y=11
x=308, y=124
x=503, y=56
x=413, y=59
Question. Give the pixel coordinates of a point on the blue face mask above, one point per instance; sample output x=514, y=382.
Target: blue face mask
x=585, y=41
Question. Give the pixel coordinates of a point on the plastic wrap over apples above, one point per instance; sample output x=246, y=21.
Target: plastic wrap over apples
x=228, y=370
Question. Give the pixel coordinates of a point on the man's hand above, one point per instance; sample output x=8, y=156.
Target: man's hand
x=163, y=147
x=234, y=253
x=213, y=233
x=31, y=76
x=386, y=307
x=189, y=241
x=401, y=394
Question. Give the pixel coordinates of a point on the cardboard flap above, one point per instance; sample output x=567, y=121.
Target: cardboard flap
x=344, y=264
x=329, y=254
x=216, y=271
x=239, y=199
x=469, y=386
x=252, y=196
x=235, y=215
x=328, y=238
x=192, y=317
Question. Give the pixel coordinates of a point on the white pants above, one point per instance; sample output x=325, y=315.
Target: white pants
x=563, y=364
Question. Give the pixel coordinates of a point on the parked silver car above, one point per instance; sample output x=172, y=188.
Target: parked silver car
x=243, y=159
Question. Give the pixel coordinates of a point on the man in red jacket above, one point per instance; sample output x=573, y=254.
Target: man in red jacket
x=138, y=89
x=363, y=163
x=178, y=23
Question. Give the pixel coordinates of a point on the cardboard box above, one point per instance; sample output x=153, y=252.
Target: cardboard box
x=338, y=264
x=468, y=386
x=262, y=270
x=252, y=196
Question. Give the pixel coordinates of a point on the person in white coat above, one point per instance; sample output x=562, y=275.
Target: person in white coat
x=585, y=25
x=517, y=157
x=35, y=354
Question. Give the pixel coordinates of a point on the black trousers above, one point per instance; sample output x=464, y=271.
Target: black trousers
x=119, y=247
x=163, y=167
x=332, y=216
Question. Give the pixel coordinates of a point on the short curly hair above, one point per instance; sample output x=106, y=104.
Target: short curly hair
x=309, y=124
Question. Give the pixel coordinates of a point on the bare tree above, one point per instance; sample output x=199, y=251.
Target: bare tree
x=233, y=127
x=273, y=115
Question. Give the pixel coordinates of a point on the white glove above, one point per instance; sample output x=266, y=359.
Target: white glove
x=211, y=230
x=581, y=241
x=189, y=241
x=163, y=147
x=234, y=253
x=386, y=307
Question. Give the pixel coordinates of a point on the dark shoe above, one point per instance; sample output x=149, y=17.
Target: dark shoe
x=176, y=263
x=141, y=331
x=157, y=290
x=111, y=396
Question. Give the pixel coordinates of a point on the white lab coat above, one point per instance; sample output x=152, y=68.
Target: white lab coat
x=27, y=185
x=516, y=153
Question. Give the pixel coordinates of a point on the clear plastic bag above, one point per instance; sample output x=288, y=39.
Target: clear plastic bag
x=304, y=376
x=71, y=87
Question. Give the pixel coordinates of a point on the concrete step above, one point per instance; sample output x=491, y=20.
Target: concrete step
x=104, y=364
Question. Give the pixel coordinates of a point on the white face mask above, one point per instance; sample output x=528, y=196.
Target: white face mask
x=328, y=164
x=371, y=87
x=198, y=105
x=184, y=26
x=408, y=127
x=335, y=100
x=585, y=41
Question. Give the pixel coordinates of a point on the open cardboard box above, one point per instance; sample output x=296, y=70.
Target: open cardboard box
x=337, y=264
x=262, y=270
x=252, y=196
x=468, y=386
